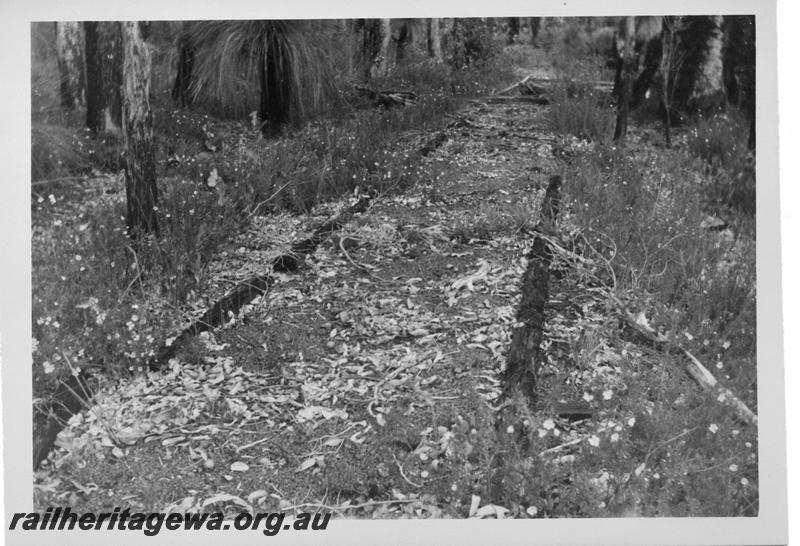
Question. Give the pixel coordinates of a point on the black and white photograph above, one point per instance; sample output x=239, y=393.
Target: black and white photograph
x=292, y=271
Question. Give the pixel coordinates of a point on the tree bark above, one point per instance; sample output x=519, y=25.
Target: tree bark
x=94, y=78
x=111, y=46
x=70, y=64
x=435, y=40
x=140, y=171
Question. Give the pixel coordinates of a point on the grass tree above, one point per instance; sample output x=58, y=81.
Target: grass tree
x=183, y=77
x=284, y=59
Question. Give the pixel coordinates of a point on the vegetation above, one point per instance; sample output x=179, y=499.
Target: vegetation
x=368, y=383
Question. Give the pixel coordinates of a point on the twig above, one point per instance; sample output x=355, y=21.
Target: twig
x=251, y=444
x=403, y=474
x=704, y=378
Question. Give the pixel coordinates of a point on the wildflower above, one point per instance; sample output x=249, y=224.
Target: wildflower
x=745, y=482
x=542, y=433
x=733, y=468
x=510, y=429
x=594, y=441
x=588, y=397
x=549, y=424
x=614, y=438
x=607, y=394
x=631, y=421
x=719, y=365
x=713, y=428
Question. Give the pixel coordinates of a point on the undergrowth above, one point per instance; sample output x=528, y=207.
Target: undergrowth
x=640, y=219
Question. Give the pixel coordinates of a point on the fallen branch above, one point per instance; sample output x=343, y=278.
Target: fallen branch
x=510, y=100
x=389, y=97
x=526, y=87
x=694, y=368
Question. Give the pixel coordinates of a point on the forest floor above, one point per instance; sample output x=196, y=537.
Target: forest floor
x=367, y=383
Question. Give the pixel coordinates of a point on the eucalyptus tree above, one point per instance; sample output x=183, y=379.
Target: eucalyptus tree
x=137, y=119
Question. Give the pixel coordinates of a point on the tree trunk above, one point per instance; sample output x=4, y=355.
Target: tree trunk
x=739, y=67
x=181, y=94
x=94, y=78
x=627, y=72
x=346, y=33
x=536, y=25
x=382, y=68
x=513, y=29
x=140, y=171
x=375, y=47
x=665, y=74
x=275, y=108
x=698, y=86
x=435, y=40
x=709, y=86
x=112, y=59
x=405, y=36
x=70, y=64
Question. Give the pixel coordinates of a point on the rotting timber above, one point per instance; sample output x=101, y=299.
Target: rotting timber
x=74, y=392
x=525, y=354
x=247, y=290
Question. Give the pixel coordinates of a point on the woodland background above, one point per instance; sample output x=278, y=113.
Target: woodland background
x=429, y=268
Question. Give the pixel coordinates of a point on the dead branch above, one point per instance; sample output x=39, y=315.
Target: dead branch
x=693, y=367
